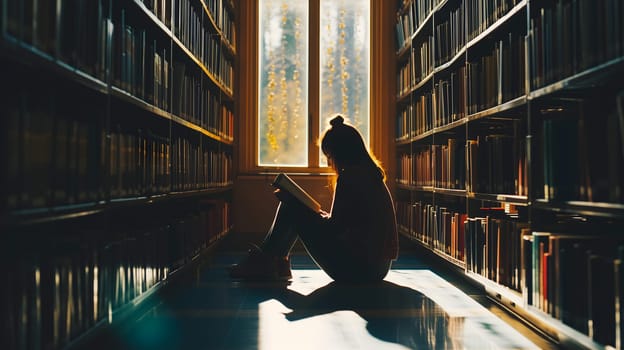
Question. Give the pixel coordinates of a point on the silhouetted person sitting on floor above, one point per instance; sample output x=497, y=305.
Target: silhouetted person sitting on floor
x=356, y=242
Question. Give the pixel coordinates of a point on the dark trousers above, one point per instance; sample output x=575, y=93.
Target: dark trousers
x=331, y=253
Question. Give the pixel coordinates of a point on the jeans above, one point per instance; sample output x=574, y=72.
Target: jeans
x=322, y=241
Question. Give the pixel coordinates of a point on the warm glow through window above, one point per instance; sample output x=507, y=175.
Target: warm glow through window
x=284, y=121
x=344, y=56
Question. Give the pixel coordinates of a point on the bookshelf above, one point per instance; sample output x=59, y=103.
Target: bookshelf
x=510, y=157
x=117, y=139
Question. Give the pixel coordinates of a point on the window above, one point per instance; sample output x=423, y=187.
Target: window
x=290, y=116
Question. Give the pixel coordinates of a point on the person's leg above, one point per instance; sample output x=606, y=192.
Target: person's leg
x=333, y=255
x=270, y=261
x=337, y=258
x=281, y=236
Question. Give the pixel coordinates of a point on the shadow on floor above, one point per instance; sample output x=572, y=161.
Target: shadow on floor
x=392, y=313
x=413, y=308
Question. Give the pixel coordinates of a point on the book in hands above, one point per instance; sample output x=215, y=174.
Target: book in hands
x=285, y=183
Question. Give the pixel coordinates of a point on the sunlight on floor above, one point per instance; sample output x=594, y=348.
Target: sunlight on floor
x=411, y=309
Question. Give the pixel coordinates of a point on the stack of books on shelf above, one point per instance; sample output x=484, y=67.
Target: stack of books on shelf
x=567, y=37
x=411, y=16
x=450, y=35
x=493, y=248
x=449, y=164
x=582, y=155
x=161, y=9
x=498, y=76
x=415, y=168
x=117, y=140
x=510, y=154
x=482, y=14
x=496, y=164
x=576, y=279
x=58, y=293
x=449, y=96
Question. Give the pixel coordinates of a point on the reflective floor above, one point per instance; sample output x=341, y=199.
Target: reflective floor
x=414, y=308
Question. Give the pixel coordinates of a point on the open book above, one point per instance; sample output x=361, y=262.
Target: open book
x=285, y=183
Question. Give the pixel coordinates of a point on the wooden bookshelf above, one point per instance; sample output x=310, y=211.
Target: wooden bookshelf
x=117, y=145
x=542, y=103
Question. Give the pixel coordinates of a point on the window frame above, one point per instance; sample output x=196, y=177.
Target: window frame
x=382, y=91
x=313, y=99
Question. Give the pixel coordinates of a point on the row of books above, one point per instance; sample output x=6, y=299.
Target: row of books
x=578, y=279
x=489, y=245
x=450, y=36
x=61, y=289
x=493, y=247
x=203, y=43
x=414, y=169
x=195, y=100
x=60, y=157
x=569, y=36
x=440, y=166
x=161, y=9
x=489, y=164
x=436, y=226
x=413, y=15
x=404, y=78
x=494, y=79
x=70, y=30
x=498, y=76
x=449, y=167
x=575, y=278
x=497, y=164
x=196, y=231
x=565, y=36
x=450, y=98
x=225, y=71
x=479, y=16
x=144, y=163
x=483, y=13
x=190, y=29
x=228, y=28
x=141, y=66
x=417, y=67
x=444, y=105
x=195, y=167
x=221, y=11
x=81, y=34
x=583, y=157
x=416, y=118
x=138, y=163
x=52, y=154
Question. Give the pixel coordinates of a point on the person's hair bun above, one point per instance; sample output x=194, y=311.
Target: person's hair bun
x=336, y=121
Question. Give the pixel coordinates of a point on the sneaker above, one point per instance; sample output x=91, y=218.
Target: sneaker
x=259, y=266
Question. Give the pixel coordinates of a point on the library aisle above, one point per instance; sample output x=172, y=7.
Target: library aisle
x=415, y=307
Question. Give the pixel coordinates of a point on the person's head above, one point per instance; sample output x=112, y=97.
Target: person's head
x=344, y=147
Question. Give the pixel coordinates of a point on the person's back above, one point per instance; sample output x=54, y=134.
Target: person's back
x=366, y=212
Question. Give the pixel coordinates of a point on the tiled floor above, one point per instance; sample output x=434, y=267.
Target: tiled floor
x=413, y=308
